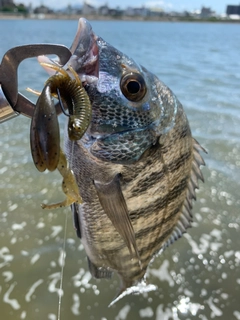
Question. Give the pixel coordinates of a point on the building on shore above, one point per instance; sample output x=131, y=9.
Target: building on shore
x=88, y=9
x=136, y=11
x=42, y=10
x=206, y=13
x=6, y=3
x=233, y=12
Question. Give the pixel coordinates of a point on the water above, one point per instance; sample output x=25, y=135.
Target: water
x=199, y=276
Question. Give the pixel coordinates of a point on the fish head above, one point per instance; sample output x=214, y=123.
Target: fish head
x=128, y=101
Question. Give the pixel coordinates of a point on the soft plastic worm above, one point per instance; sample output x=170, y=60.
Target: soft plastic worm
x=69, y=185
x=44, y=133
x=76, y=98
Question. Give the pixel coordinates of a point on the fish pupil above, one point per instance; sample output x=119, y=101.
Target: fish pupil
x=133, y=87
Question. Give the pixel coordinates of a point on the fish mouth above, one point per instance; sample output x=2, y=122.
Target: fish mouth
x=85, y=53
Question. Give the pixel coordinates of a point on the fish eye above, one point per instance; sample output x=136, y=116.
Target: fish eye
x=133, y=86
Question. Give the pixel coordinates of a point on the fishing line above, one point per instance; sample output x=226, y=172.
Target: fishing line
x=62, y=269
x=71, y=156
x=64, y=241
x=65, y=228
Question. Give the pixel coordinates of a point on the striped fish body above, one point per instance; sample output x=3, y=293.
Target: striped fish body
x=137, y=166
x=158, y=189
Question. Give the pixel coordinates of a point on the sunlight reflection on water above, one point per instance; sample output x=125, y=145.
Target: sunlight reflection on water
x=199, y=276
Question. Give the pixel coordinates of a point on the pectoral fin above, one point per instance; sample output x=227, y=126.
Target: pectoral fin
x=114, y=205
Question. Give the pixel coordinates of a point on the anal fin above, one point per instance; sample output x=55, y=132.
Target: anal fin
x=99, y=272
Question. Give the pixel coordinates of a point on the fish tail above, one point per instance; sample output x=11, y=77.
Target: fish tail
x=128, y=287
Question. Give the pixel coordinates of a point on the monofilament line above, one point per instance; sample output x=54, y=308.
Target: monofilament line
x=60, y=291
x=71, y=156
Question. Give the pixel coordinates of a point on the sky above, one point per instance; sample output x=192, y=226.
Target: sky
x=173, y=5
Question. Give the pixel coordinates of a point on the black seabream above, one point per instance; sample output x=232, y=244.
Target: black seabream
x=137, y=166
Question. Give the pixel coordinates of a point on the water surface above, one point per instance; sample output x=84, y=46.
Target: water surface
x=197, y=277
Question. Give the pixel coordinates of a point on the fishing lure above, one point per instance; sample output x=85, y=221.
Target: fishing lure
x=75, y=96
x=69, y=185
x=44, y=132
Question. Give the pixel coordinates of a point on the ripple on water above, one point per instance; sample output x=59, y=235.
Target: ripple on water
x=197, y=277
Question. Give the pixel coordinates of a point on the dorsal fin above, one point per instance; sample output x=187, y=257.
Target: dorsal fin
x=185, y=218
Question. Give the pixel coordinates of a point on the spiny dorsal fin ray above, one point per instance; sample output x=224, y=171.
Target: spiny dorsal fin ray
x=114, y=205
x=185, y=218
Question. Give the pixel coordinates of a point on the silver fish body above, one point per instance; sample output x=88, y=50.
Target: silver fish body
x=137, y=166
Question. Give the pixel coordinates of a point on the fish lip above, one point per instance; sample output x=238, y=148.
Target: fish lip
x=85, y=53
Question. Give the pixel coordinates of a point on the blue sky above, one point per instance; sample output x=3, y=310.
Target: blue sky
x=179, y=5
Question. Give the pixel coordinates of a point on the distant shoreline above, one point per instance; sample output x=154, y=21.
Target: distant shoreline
x=56, y=16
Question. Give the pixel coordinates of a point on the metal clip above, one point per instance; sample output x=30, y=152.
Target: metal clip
x=12, y=102
x=6, y=111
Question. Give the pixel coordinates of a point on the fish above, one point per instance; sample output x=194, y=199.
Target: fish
x=137, y=165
